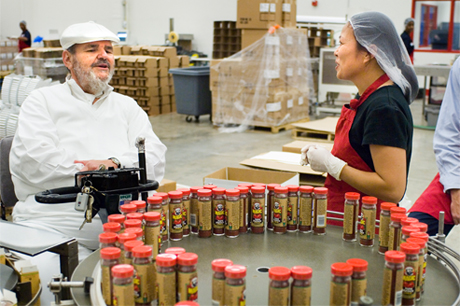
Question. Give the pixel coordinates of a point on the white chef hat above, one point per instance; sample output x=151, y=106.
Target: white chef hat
x=81, y=33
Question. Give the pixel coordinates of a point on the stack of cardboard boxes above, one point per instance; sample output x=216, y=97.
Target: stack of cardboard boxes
x=142, y=72
x=8, y=51
x=227, y=39
x=44, y=62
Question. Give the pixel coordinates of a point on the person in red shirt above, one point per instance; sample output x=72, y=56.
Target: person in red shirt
x=25, y=40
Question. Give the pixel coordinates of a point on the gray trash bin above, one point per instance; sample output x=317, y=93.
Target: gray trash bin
x=193, y=96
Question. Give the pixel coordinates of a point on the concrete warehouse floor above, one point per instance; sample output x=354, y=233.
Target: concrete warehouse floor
x=198, y=149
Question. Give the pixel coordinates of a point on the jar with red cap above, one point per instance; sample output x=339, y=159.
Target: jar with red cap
x=393, y=278
x=293, y=208
x=408, y=221
x=270, y=201
x=128, y=208
x=152, y=231
x=218, y=211
x=204, y=213
x=384, y=229
x=422, y=227
x=358, y=278
x=394, y=235
x=244, y=200
x=340, y=292
x=154, y=203
x=109, y=257
x=135, y=216
x=278, y=290
x=187, y=277
x=301, y=285
x=123, y=285
x=319, y=210
x=185, y=211
x=128, y=247
x=112, y=227
x=133, y=223
x=175, y=251
x=187, y=303
x=406, y=230
x=249, y=203
x=280, y=209
x=140, y=205
x=136, y=231
x=350, y=216
x=305, y=208
x=166, y=278
x=411, y=270
x=218, y=280
x=232, y=213
x=122, y=238
x=164, y=229
x=209, y=186
x=366, y=227
x=257, y=209
x=175, y=215
x=144, y=291
x=235, y=285
x=194, y=209
x=424, y=237
x=398, y=210
x=421, y=259
x=117, y=218
x=107, y=239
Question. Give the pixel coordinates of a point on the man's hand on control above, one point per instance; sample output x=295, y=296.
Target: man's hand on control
x=455, y=205
x=90, y=165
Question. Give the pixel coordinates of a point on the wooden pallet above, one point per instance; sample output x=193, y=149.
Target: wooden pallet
x=318, y=130
x=273, y=129
x=311, y=135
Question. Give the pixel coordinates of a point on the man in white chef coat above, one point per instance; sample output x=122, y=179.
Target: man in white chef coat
x=77, y=126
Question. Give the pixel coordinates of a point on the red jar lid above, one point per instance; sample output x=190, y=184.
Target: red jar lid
x=111, y=227
x=131, y=244
x=397, y=217
x=185, y=191
x=154, y=200
x=122, y=271
x=195, y=189
x=395, y=256
x=187, y=259
x=423, y=227
x=152, y=216
x=123, y=237
x=209, y=186
x=128, y=208
x=139, y=203
x=218, y=265
x=110, y=253
x=259, y=185
x=421, y=243
x=420, y=235
x=258, y=189
x=175, y=194
x=187, y=303
x=135, y=230
x=204, y=192
x=133, y=223
x=281, y=189
x=293, y=188
x=166, y=260
x=409, y=221
x=242, y=189
x=398, y=210
x=245, y=185
x=341, y=269
x=175, y=251
x=218, y=191
x=352, y=196
x=279, y=273
x=108, y=237
x=163, y=195
x=272, y=186
x=142, y=251
x=387, y=205
x=320, y=190
x=235, y=271
x=117, y=218
x=306, y=189
x=301, y=272
x=409, y=248
x=232, y=192
x=135, y=216
x=369, y=200
x=358, y=264
x=406, y=230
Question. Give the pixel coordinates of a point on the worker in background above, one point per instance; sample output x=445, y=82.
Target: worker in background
x=25, y=40
x=373, y=138
x=443, y=193
x=406, y=37
x=77, y=126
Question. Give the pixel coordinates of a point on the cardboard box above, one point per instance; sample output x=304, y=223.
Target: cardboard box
x=184, y=61
x=250, y=36
x=174, y=62
x=167, y=185
x=162, y=51
x=258, y=14
x=126, y=50
x=230, y=177
x=289, y=13
x=296, y=146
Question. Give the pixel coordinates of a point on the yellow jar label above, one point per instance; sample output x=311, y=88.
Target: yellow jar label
x=280, y=212
x=358, y=289
x=340, y=294
x=187, y=286
x=411, y=271
x=186, y=214
x=106, y=285
x=232, y=212
x=153, y=239
x=204, y=213
x=235, y=295
x=384, y=230
x=218, y=286
x=301, y=296
x=390, y=284
x=123, y=295
x=366, y=227
x=392, y=246
x=144, y=283
x=164, y=220
x=292, y=217
x=166, y=286
x=320, y=213
x=175, y=222
x=194, y=212
x=305, y=211
x=218, y=213
x=349, y=219
x=258, y=211
x=421, y=260
x=278, y=296
x=242, y=212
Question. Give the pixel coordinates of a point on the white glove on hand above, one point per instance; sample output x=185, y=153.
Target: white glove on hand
x=323, y=161
x=303, y=155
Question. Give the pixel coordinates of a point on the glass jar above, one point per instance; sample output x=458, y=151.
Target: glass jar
x=218, y=211
x=107, y=239
x=204, y=213
x=320, y=210
x=270, y=199
x=384, y=229
x=140, y=205
x=185, y=211
x=424, y=237
x=394, y=236
x=293, y=208
x=257, y=209
x=135, y=216
x=123, y=286
x=340, y=293
x=175, y=216
x=187, y=281
x=280, y=207
x=232, y=213
x=166, y=278
x=243, y=208
x=406, y=230
x=128, y=247
x=132, y=223
x=366, y=227
x=112, y=227
x=350, y=216
x=410, y=272
x=218, y=280
x=117, y=218
x=128, y=208
x=145, y=289
x=408, y=221
x=248, y=203
x=393, y=278
x=136, y=231
x=152, y=231
x=358, y=278
x=110, y=257
x=235, y=285
x=305, y=209
x=164, y=226
x=422, y=227
x=421, y=259
x=194, y=223
x=154, y=203
x=175, y=251
x=301, y=285
x=122, y=238
x=278, y=290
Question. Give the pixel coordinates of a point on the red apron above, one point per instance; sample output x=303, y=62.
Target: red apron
x=343, y=150
x=22, y=45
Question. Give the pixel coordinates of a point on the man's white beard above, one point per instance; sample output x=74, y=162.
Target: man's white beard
x=89, y=81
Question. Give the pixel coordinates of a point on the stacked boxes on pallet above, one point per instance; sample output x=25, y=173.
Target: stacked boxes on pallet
x=8, y=51
x=227, y=39
x=42, y=62
x=319, y=38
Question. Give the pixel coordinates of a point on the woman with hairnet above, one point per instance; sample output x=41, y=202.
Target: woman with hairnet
x=407, y=40
x=373, y=138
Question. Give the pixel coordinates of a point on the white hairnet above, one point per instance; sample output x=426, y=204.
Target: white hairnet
x=406, y=22
x=81, y=33
x=376, y=32
x=23, y=22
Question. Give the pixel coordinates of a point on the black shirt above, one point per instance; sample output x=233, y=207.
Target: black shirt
x=384, y=119
x=26, y=33
x=407, y=42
